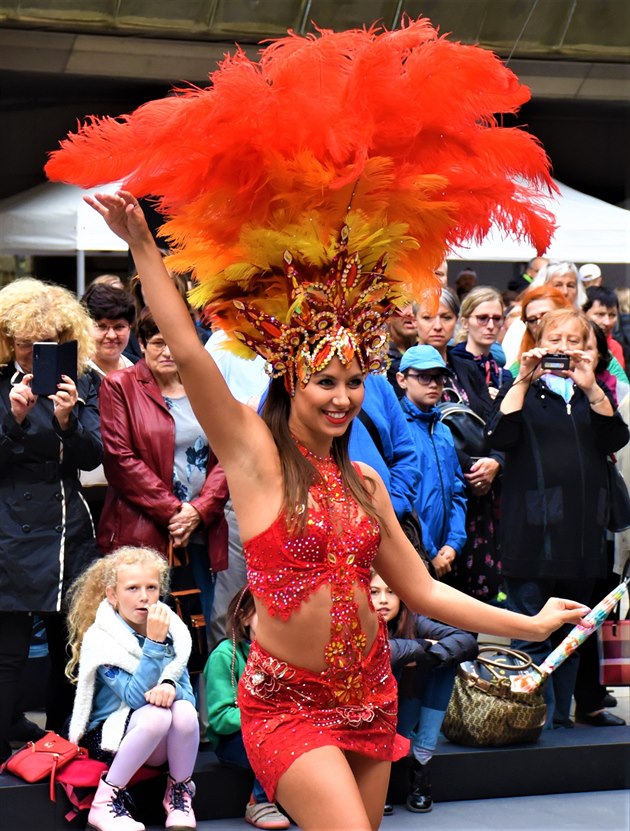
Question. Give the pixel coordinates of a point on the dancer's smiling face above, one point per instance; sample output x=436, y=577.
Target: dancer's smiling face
x=325, y=407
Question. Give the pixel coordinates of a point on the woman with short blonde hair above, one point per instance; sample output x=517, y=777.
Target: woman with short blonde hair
x=46, y=531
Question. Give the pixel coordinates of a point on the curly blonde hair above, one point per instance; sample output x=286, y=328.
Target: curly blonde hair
x=31, y=309
x=87, y=592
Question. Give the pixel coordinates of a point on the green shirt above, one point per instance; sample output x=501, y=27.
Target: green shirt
x=224, y=717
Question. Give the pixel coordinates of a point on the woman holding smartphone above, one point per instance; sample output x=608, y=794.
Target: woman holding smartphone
x=556, y=428
x=46, y=531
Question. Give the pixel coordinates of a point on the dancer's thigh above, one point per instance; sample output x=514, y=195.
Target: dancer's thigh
x=320, y=791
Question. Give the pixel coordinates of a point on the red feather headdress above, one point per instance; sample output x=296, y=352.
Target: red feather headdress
x=312, y=192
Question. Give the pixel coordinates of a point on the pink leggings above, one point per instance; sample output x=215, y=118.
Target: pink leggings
x=156, y=735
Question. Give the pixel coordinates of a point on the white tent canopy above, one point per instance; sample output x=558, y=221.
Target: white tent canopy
x=53, y=219
x=589, y=231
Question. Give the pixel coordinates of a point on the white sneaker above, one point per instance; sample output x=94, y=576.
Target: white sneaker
x=266, y=815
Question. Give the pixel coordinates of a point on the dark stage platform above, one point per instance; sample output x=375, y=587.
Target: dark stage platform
x=562, y=761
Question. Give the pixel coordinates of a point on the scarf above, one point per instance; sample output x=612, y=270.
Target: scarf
x=488, y=366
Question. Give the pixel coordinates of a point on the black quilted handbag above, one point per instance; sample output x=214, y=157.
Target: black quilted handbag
x=484, y=711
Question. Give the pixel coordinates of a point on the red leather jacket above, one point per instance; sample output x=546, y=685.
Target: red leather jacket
x=139, y=448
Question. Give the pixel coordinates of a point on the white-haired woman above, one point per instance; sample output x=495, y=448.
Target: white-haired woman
x=564, y=277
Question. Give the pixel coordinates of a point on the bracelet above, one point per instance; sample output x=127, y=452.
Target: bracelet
x=168, y=681
x=598, y=400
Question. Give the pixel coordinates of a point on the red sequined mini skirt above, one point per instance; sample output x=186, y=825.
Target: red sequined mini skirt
x=287, y=711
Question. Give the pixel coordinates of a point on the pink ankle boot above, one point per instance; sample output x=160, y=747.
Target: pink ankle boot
x=109, y=810
x=178, y=805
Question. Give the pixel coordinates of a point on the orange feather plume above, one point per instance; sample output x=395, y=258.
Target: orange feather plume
x=391, y=134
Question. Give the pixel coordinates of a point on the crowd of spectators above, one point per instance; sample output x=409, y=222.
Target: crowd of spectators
x=117, y=457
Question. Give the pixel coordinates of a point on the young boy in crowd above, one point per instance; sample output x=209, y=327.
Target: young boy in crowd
x=441, y=498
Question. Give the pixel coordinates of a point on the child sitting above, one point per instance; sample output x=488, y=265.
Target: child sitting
x=441, y=499
x=222, y=672
x=436, y=650
x=134, y=704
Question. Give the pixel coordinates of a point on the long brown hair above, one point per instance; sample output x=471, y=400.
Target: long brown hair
x=241, y=607
x=298, y=473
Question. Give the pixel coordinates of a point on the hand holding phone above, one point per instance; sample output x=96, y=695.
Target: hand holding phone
x=22, y=398
x=64, y=400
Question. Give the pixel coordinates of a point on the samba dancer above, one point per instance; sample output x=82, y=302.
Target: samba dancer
x=287, y=185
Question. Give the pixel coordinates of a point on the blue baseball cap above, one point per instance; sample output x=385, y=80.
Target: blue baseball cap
x=423, y=358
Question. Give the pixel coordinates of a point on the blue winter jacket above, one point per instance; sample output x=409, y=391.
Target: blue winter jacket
x=441, y=495
x=399, y=469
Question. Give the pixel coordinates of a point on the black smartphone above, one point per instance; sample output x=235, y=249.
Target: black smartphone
x=50, y=362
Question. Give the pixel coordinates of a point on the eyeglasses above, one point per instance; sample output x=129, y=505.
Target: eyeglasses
x=158, y=345
x=534, y=320
x=425, y=379
x=118, y=328
x=483, y=320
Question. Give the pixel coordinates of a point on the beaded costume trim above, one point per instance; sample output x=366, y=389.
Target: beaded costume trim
x=337, y=547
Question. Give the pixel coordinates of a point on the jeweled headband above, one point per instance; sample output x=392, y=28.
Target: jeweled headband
x=289, y=183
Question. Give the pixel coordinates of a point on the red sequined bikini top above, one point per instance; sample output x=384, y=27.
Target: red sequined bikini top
x=336, y=547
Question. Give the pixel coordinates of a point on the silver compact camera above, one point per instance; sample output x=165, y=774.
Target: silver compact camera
x=555, y=361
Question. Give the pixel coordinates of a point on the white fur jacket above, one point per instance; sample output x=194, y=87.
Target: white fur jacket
x=109, y=641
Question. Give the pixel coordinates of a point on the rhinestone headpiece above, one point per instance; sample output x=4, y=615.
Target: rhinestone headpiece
x=341, y=314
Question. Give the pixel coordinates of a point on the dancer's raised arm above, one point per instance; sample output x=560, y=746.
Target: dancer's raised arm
x=235, y=432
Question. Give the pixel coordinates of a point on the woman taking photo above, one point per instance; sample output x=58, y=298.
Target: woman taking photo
x=535, y=302
x=165, y=484
x=556, y=428
x=46, y=531
x=287, y=232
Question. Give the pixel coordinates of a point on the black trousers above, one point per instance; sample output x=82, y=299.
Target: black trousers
x=15, y=638
x=588, y=691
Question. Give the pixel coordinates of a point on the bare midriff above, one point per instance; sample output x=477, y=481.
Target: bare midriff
x=302, y=640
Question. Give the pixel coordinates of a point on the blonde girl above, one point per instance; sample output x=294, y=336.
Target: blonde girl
x=134, y=703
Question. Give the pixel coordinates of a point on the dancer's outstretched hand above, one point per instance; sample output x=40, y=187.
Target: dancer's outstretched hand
x=123, y=214
x=556, y=613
